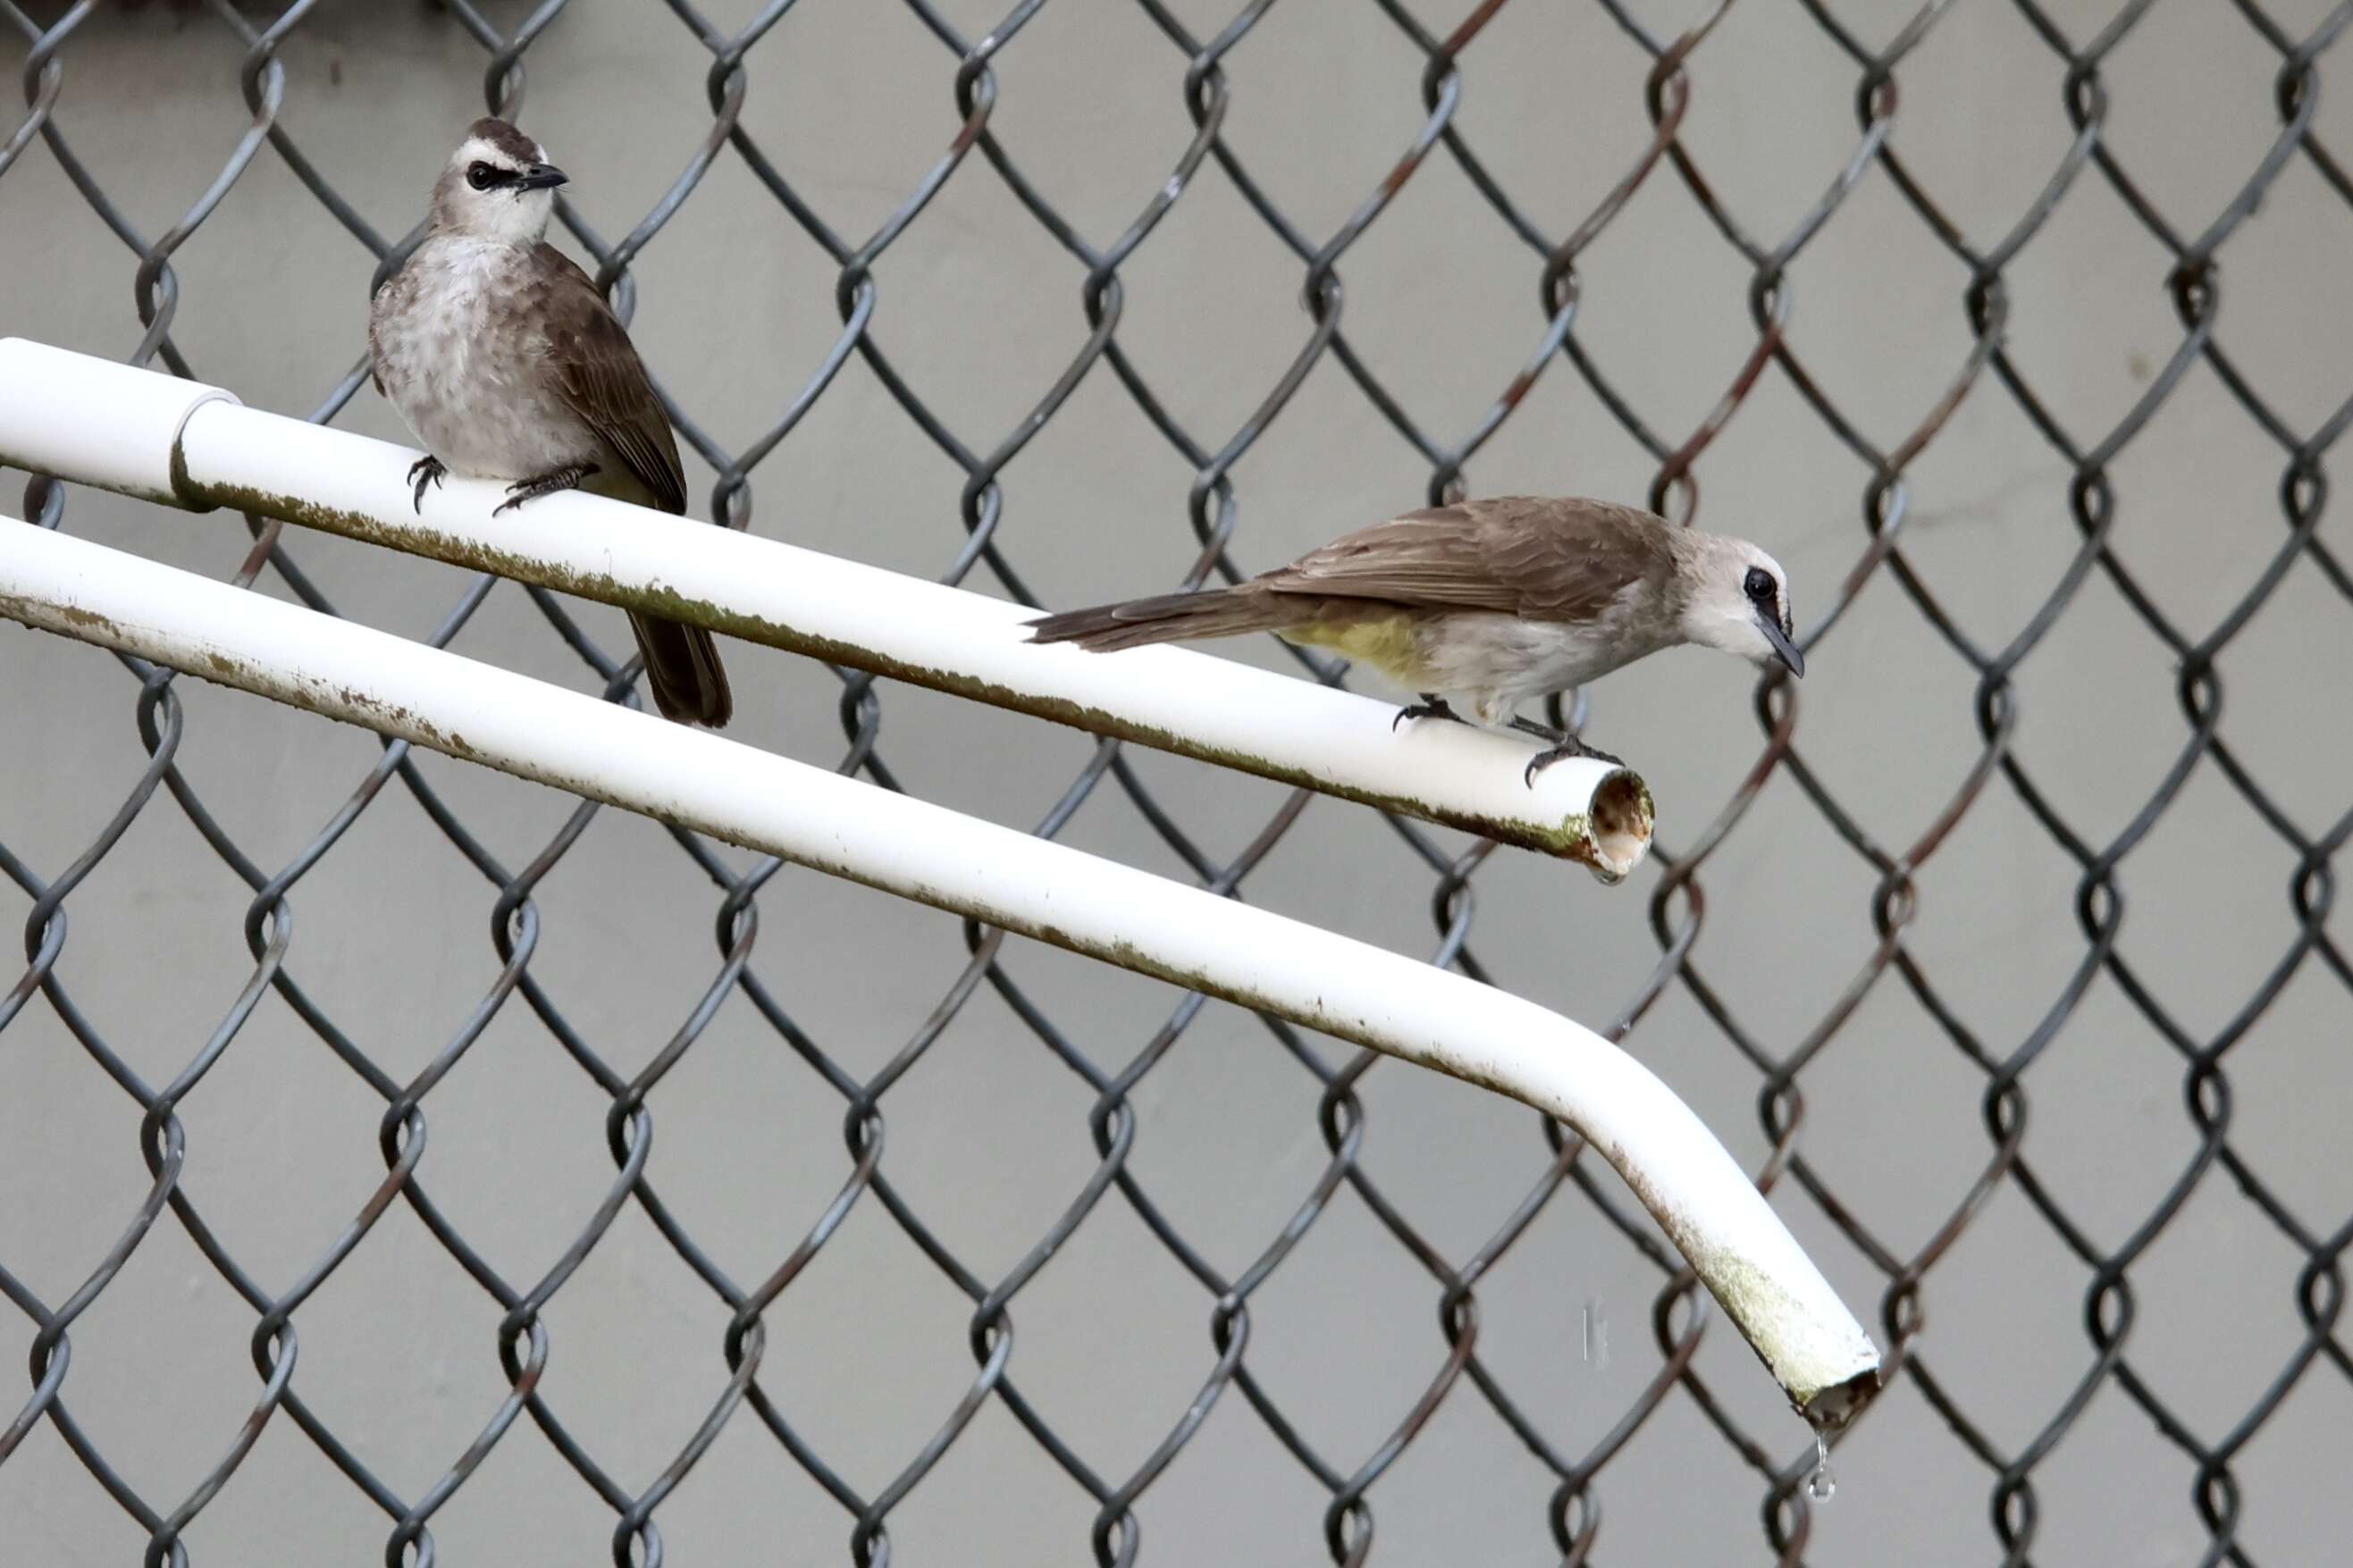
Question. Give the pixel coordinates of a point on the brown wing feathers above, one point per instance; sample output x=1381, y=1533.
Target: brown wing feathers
x=1519, y=556
x=601, y=377
x=603, y=381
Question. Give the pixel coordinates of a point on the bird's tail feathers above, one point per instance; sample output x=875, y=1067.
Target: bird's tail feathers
x=1169, y=617
x=683, y=671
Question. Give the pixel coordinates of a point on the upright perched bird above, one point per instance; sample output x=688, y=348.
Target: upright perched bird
x=1491, y=600
x=507, y=365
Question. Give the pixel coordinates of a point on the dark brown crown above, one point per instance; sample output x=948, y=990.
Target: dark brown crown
x=505, y=138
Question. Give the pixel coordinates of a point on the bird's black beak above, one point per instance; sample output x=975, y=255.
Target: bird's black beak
x=1783, y=645
x=542, y=177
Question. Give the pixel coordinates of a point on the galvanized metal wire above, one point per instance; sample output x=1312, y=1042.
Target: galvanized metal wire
x=2012, y=1472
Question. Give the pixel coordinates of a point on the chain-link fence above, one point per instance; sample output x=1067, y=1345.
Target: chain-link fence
x=1969, y=314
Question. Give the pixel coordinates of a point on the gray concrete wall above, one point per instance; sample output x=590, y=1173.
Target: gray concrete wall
x=988, y=1135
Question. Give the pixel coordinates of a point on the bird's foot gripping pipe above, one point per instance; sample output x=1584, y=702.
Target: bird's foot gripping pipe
x=1430, y=707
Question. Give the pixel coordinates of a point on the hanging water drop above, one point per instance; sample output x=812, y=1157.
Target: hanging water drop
x=1824, y=1485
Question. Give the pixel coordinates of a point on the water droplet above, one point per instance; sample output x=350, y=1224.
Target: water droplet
x=1824, y=1485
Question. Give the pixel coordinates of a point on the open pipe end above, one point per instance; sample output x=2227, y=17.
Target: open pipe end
x=1834, y=1407
x=1618, y=827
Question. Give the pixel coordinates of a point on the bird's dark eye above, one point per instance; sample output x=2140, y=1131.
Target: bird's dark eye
x=1759, y=586
x=481, y=176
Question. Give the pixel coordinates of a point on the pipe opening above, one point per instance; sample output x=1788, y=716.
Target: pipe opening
x=1836, y=1406
x=1619, y=823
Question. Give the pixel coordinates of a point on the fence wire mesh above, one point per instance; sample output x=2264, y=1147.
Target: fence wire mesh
x=1977, y=1483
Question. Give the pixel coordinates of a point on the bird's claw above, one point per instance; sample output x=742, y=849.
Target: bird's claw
x=545, y=484
x=1571, y=747
x=1427, y=708
x=426, y=471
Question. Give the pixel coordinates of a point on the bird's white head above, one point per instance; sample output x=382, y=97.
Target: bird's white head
x=1736, y=598
x=498, y=186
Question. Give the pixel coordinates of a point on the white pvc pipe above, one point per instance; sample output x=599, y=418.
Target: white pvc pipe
x=1343, y=988
x=96, y=422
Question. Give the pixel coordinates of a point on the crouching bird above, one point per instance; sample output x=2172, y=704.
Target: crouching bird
x=1491, y=602
x=506, y=363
